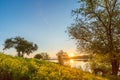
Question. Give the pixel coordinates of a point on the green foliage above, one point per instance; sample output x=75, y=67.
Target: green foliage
x=61, y=54
x=100, y=64
x=97, y=29
x=38, y=56
x=21, y=45
x=44, y=55
x=17, y=68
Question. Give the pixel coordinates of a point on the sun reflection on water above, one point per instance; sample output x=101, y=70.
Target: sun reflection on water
x=71, y=61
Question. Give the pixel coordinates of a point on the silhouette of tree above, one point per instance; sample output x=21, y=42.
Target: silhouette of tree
x=38, y=56
x=21, y=45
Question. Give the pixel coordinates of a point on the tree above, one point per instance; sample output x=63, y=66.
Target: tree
x=38, y=56
x=61, y=54
x=21, y=45
x=44, y=55
x=97, y=29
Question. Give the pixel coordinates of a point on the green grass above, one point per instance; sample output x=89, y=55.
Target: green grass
x=16, y=68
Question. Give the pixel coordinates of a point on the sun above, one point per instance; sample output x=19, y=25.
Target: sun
x=71, y=55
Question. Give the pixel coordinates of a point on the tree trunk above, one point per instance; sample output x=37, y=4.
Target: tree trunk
x=115, y=67
x=22, y=54
x=60, y=59
x=19, y=54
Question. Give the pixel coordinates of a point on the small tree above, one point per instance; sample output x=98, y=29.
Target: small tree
x=21, y=45
x=44, y=55
x=60, y=56
x=38, y=56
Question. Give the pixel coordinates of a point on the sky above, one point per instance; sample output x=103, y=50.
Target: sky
x=43, y=22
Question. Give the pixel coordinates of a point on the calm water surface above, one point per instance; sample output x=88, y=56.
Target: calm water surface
x=84, y=65
x=76, y=63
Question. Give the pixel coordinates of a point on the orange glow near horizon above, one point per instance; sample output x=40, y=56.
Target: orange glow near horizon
x=71, y=61
x=71, y=54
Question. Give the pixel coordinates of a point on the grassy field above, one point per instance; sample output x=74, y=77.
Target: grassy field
x=16, y=68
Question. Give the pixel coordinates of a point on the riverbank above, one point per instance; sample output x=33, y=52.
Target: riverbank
x=16, y=68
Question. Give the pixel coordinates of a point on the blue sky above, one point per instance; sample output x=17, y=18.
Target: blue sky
x=41, y=21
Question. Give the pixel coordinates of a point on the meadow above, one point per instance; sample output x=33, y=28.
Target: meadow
x=18, y=68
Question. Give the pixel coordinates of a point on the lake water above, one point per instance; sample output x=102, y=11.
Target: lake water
x=76, y=63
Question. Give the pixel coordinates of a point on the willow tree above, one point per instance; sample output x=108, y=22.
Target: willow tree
x=97, y=29
x=21, y=45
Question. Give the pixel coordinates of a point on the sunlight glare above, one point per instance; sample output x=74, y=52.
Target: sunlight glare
x=71, y=54
x=71, y=61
